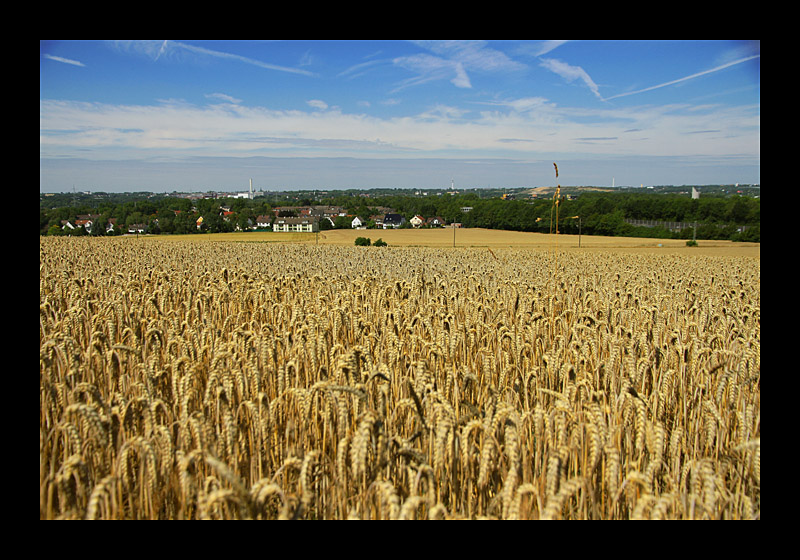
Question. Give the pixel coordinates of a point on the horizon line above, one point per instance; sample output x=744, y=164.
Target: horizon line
x=304, y=189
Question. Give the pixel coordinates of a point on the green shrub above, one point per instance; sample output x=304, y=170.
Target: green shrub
x=380, y=243
x=363, y=241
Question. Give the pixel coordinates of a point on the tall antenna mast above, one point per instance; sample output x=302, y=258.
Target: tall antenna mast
x=556, y=200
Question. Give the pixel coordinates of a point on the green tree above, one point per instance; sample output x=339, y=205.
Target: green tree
x=166, y=221
x=342, y=222
x=185, y=222
x=737, y=211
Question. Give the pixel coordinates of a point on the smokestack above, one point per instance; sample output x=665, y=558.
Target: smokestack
x=251, y=189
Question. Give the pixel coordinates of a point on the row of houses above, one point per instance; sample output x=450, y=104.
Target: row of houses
x=311, y=223
x=381, y=221
x=87, y=222
x=435, y=221
x=307, y=220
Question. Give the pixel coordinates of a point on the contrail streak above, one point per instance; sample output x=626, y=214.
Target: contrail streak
x=703, y=73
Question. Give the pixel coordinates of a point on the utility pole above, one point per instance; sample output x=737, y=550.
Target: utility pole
x=695, y=195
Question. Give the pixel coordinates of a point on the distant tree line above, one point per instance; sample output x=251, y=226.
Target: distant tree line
x=735, y=217
x=601, y=213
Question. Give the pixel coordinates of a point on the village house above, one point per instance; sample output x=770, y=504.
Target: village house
x=393, y=221
x=87, y=221
x=326, y=211
x=357, y=223
x=305, y=224
x=435, y=221
x=377, y=219
x=263, y=221
x=417, y=221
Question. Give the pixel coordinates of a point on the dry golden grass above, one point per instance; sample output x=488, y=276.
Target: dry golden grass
x=197, y=379
x=478, y=237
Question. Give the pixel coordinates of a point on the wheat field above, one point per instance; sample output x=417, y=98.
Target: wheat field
x=198, y=379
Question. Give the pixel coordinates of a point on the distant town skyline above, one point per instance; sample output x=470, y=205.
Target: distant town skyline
x=164, y=116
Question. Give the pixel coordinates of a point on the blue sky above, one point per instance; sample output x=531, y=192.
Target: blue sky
x=211, y=115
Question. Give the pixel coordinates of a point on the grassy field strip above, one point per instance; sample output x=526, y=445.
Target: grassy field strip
x=476, y=237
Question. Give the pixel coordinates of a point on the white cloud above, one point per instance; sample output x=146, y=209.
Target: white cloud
x=570, y=73
x=429, y=68
x=361, y=68
x=461, y=79
x=71, y=129
x=473, y=55
x=317, y=104
x=64, y=60
x=442, y=112
x=161, y=50
x=547, y=46
x=223, y=97
x=453, y=60
x=527, y=104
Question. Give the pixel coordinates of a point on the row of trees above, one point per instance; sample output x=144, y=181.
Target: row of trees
x=601, y=213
